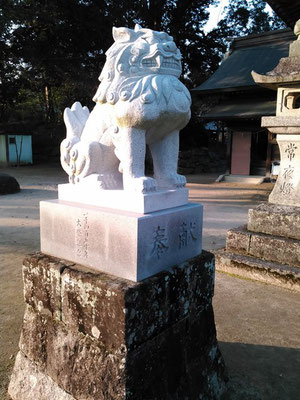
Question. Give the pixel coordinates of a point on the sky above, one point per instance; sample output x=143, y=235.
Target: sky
x=216, y=14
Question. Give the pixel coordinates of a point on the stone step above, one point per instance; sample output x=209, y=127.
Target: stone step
x=268, y=247
x=249, y=179
x=257, y=269
x=275, y=219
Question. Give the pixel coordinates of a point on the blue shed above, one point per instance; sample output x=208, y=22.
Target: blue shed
x=15, y=149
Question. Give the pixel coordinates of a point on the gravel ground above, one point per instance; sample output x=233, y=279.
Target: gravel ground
x=258, y=325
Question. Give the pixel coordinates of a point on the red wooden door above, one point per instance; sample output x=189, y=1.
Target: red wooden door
x=241, y=153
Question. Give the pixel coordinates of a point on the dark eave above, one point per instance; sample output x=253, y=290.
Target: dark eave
x=258, y=39
x=234, y=73
x=245, y=109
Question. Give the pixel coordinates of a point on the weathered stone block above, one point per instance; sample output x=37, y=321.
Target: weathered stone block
x=295, y=49
x=257, y=269
x=274, y=248
x=118, y=312
x=42, y=289
x=28, y=382
x=140, y=245
x=123, y=340
x=180, y=362
x=33, y=339
x=268, y=247
x=274, y=219
x=238, y=240
x=188, y=363
x=76, y=363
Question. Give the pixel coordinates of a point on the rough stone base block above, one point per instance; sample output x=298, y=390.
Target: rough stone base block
x=98, y=337
x=28, y=383
x=258, y=269
x=268, y=247
x=275, y=219
x=126, y=244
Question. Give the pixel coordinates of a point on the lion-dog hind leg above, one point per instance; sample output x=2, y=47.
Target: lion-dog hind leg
x=165, y=155
x=130, y=146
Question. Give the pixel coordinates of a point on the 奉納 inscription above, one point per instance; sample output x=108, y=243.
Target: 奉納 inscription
x=82, y=235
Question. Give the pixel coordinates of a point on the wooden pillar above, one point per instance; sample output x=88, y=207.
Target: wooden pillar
x=228, y=152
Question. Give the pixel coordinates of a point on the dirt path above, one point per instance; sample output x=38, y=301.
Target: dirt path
x=225, y=206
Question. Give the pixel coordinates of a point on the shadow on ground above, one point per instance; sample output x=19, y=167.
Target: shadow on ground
x=246, y=380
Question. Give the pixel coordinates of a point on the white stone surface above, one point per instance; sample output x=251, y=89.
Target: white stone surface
x=287, y=188
x=122, y=199
x=139, y=101
x=28, y=383
x=126, y=244
x=286, y=101
x=283, y=125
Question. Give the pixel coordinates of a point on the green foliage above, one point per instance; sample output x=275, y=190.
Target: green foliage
x=244, y=17
x=58, y=44
x=52, y=52
x=240, y=18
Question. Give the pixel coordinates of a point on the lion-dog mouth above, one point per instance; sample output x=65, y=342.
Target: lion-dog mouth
x=160, y=60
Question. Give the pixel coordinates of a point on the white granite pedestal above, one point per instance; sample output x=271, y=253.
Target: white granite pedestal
x=122, y=243
x=122, y=199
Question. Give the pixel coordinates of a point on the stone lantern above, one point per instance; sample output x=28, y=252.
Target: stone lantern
x=285, y=78
x=268, y=248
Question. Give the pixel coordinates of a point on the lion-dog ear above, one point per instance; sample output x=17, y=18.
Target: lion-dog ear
x=122, y=34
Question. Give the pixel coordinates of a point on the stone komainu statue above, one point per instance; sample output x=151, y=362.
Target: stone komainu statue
x=139, y=101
